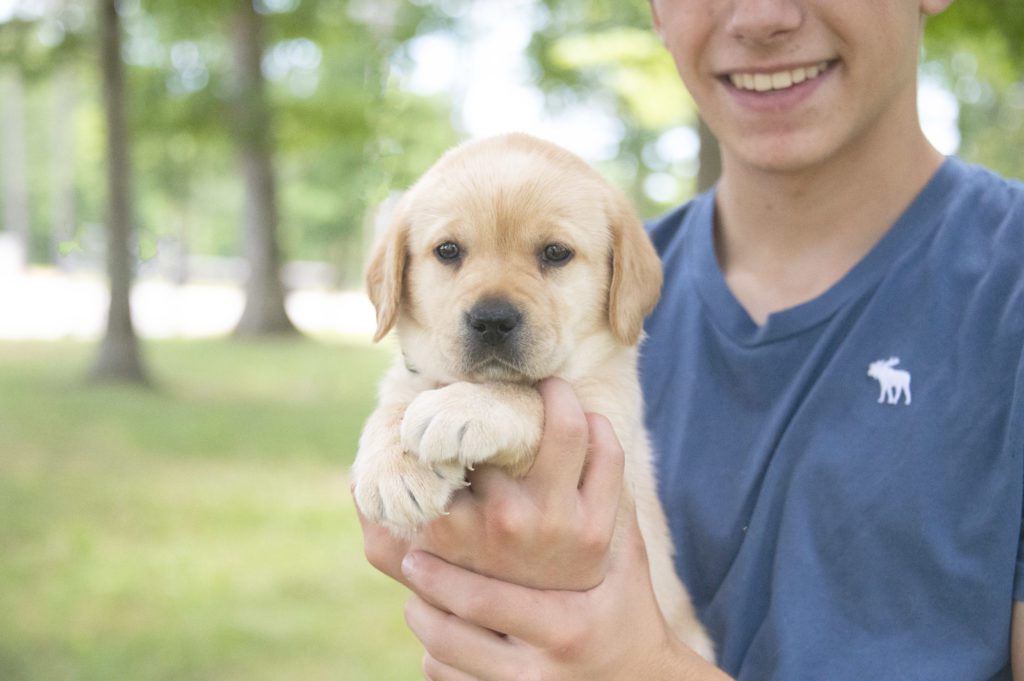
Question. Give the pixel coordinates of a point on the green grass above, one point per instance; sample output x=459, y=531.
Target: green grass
x=203, y=530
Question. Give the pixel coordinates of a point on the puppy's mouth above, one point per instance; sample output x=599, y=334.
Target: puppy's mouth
x=497, y=366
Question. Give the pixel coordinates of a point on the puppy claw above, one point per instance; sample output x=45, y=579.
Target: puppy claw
x=422, y=429
x=412, y=498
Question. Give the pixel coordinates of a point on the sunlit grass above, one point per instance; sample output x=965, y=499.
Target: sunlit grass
x=200, y=531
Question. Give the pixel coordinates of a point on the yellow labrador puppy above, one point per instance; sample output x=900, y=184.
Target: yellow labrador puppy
x=509, y=261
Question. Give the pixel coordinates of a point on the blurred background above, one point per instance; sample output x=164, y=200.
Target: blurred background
x=187, y=192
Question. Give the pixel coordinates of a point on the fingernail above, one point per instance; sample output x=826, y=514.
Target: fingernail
x=408, y=565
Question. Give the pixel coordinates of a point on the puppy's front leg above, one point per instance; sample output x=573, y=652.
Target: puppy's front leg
x=393, y=488
x=471, y=423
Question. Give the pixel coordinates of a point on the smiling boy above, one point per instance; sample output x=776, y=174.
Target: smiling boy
x=824, y=533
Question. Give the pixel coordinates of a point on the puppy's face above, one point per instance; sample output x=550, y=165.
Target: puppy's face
x=505, y=257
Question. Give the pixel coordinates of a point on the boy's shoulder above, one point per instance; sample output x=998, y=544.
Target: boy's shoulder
x=982, y=217
x=983, y=196
x=975, y=182
x=673, y=226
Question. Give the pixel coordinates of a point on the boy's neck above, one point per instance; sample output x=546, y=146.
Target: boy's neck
x=783, y=238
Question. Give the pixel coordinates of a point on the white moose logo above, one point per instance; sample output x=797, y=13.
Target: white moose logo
x=894, y=382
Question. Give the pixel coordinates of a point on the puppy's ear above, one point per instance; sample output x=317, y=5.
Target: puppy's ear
x=386, y=270
x=636, y=271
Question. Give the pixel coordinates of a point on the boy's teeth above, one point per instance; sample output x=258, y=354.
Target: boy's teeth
x=763, y=82
x=781, y=80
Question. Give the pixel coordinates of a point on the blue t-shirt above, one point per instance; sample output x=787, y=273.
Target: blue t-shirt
x=844, y=483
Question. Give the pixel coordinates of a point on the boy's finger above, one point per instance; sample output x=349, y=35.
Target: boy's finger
x=601, y=485
x=439, y=671
x=527, y=614
x=563, y=447
x=456, y=642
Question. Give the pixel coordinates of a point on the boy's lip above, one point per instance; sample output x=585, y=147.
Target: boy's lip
x=774, y=88
x=764, y=78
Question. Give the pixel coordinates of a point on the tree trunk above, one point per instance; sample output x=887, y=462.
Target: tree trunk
x=13, y=161
x=710, y=158
x=119, y=356
x=264, y=313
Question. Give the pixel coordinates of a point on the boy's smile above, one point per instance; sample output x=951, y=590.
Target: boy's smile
x=775, y=88
x=786, y=85
x=776, y=79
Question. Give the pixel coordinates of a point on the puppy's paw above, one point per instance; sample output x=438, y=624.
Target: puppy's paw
x=402, y=493
x=454, y=424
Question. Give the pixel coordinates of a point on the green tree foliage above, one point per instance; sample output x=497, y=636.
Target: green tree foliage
x=979, y=54
x=342, y=135
x=327, y=64
x=1000, y=21
x=606, y=52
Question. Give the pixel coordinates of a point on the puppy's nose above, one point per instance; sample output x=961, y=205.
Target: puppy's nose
x=493, y=320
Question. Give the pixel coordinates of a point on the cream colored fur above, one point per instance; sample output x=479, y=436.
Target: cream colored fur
x=503, y=199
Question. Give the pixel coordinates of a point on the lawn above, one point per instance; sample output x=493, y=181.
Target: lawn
x=201, y=530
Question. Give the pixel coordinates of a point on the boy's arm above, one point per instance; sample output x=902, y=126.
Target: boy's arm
x=1017, y=641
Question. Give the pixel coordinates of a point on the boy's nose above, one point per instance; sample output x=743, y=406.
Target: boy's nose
x=764, y=21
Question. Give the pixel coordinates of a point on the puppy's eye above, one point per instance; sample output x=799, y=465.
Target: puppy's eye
x=555, y=254
x=448, y=252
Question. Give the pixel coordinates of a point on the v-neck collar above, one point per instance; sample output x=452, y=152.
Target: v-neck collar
x=731, y=317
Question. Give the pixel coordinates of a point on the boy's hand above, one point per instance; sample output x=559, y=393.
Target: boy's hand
x=551, y=529
x=476, y=627
x=520, y=581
